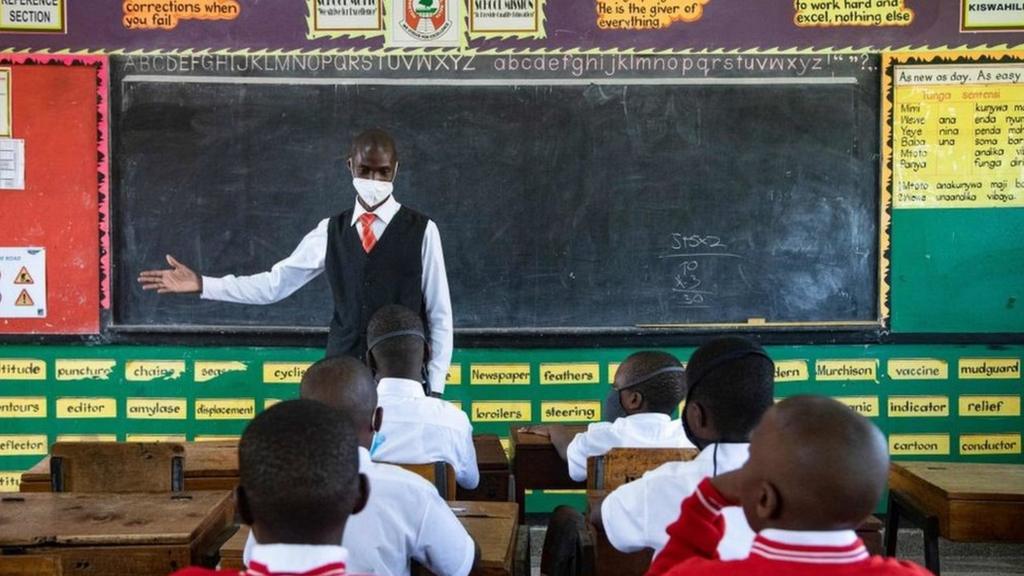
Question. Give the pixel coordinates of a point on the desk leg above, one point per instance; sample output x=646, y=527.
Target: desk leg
x=521, y=501
x=931, y=544
x=892, y=527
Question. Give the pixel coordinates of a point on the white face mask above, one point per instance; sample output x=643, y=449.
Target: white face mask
x=372, y=192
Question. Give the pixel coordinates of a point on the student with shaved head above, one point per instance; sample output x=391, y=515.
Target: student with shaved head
x=366, y=268
x=405, y=518
x=417, y=429
x=817, y=469
x=299, y=482
x=729, y=385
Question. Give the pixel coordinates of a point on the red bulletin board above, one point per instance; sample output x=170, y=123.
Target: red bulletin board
x=59, y=107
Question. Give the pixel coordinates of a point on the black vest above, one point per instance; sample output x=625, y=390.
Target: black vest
x=361, y=283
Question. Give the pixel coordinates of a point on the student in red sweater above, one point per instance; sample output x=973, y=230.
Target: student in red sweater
x=816, y=470
x=298, y=483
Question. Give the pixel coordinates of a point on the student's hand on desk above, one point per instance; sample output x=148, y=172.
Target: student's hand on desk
x=730, y=485
x=537, y=430
x=180, y=279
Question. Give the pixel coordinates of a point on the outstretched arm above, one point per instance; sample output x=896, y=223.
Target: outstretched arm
x=179, y=279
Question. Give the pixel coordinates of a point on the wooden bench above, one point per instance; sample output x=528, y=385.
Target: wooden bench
x=207, y=466
x=30, y=565
x=116, y=534
x=961, y=502
x=116, y=467
x=623, y=465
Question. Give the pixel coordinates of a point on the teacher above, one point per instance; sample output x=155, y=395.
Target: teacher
x=375, y=254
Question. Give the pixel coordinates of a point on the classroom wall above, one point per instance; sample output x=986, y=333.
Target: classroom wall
x=941, y=375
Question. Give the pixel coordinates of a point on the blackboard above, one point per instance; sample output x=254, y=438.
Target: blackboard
x=563, y=203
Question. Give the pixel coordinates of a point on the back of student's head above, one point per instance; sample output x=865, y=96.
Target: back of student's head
x=657, y=376
x=396, y=342
x=732, y=380
x=298, y=473
x=815, y=464
x=343, y=383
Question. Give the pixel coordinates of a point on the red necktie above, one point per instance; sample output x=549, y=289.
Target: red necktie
x=367, y=233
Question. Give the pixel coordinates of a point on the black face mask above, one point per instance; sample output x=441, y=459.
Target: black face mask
x=693, y=378
x=613, y=407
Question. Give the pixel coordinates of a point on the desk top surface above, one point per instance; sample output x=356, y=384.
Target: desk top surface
x=489, y=453
x=70, y=519
x=202, y=459
x=527, y=440
x=965, y=481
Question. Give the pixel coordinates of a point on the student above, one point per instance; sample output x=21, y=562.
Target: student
x=730, y=384
x=816, y=471
x=417, y=429
x=298, y=482
x=366, y=269
x=405, y=518
x=647, y=389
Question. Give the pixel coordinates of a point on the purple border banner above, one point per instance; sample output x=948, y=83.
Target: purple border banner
x=571, y=25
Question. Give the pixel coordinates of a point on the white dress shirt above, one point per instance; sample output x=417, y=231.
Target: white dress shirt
x=405, y=519
x=295, y=558
x=648, y=430
x=636, y=515
x=307, y=262
x=418, y=429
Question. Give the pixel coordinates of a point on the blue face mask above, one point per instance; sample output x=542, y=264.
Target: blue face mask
x=378, y=439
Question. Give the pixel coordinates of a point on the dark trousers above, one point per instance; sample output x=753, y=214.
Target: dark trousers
x=563, y=551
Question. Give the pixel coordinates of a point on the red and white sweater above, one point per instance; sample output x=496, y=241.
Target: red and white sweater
x=694, y=537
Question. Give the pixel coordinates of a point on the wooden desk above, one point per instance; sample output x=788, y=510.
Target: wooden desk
x=537, y=466
x=495, y=472
x=117, y=534
x=958, y=501
x=208, y=466
x=492, y=524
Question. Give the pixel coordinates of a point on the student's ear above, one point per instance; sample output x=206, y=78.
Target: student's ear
x=632, y=401
x=769, y=502
x=696, y=417
x=378, y=419
x=242, y=502
x=363, y=496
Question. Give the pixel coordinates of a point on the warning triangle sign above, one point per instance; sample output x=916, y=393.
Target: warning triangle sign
x=24, y=299
x=23, y=277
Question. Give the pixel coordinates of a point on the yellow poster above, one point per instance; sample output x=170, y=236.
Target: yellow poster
x=22, y=407
x=990, y=406
x=154, y=438
x=989, y=368
x=28, y=445
x=569, y=411
x=19, y=369
x=570, y=373
x=987, y=444
x=84, y=369
x=10, y=481
x=149, y=370
x=284, y=372
x=206, y=370
x=918, y=369
x=790, y=370
x=454, y=376
x=919, y=444
x=157, y=408
x=501, y=412
x=225, y=408
x=836, y=370
x=918, y=406
x=86, y=408
x=958, y=135
x=863, y=405
x=87, y=438
x=499, y=374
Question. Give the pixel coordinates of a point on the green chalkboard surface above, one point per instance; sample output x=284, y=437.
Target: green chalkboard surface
x=958, y=271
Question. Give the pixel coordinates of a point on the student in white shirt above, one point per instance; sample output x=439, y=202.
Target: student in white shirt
x=647, y=389
x=365, y=269
x=417, y=429
x=405, y=518
x=298, y=483
x=730, y=385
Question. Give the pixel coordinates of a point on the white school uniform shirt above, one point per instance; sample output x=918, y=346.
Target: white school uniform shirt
x=418, y=429
x=405, y=519
x=636, y=515
x=306, y=262
x=649, y=430
x=297, y=558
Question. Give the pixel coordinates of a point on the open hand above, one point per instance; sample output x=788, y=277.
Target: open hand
x=180, y=279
